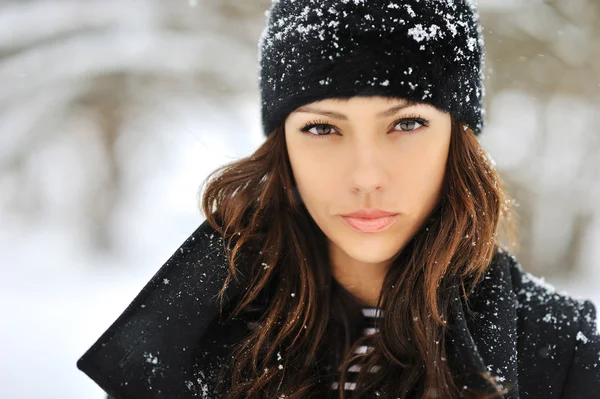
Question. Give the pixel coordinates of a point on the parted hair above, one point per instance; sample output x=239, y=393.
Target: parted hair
x=254, y=201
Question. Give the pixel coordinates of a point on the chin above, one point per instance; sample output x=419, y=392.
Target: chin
x=370, y=252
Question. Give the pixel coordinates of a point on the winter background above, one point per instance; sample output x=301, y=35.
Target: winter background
x=112, y=112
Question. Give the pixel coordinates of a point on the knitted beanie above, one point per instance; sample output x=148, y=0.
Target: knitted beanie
x=426, y=51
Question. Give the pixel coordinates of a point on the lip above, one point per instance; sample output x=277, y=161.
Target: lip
x=369, y=213
x=370, y=225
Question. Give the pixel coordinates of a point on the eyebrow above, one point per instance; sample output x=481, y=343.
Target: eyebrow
x=337, y=115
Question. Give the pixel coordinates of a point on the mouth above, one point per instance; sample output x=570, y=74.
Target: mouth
x=370, y=225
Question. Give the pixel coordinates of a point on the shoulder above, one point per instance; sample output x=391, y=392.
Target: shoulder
x=558, y=339
x=540, y=299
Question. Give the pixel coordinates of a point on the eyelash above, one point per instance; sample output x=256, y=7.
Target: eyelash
x=410, y=118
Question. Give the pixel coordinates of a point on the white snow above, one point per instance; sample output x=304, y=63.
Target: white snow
x=59, y=296
x=581, y=337
x=419, y=33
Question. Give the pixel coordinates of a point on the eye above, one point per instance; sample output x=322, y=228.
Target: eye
x=411, y=124
x=317, y=129
x=321, y=129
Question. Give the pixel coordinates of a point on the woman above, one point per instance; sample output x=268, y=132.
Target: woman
x=356, y=252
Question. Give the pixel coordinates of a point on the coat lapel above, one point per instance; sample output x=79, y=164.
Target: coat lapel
x=483, y=333
x=148, y=351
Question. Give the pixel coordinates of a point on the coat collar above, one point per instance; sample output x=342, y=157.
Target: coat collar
x=483, y=333
x=148, y=351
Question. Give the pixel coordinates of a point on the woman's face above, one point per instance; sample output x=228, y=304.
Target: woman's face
x=368, y=152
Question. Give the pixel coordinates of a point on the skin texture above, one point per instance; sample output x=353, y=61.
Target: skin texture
x=362, y=159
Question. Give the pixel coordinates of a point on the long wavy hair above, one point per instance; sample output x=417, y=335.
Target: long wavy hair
x=308, y=320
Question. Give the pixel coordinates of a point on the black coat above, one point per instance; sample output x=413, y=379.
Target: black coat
x=169, y=342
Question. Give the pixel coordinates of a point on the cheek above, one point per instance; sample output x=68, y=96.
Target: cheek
x=421, y=179
x=315, y=188
x=317, y=193
x=315, y=185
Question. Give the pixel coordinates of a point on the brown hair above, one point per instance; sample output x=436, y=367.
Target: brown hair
x=255, y=202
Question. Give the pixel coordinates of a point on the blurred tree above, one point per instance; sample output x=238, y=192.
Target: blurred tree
x=74, y=74
x=551, y=51
x=104, y=61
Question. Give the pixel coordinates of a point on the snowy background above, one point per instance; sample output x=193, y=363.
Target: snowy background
x=112, y=112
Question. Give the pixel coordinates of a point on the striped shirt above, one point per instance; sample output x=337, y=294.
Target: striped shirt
x=370, y=314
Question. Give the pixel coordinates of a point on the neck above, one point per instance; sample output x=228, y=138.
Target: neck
x=363, y=280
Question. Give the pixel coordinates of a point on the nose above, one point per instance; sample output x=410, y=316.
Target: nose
x=368, y=168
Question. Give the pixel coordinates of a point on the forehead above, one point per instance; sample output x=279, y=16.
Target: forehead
x=363, y=99
x=382, y=106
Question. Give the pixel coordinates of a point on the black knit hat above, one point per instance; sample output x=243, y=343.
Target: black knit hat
x=428, y=51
